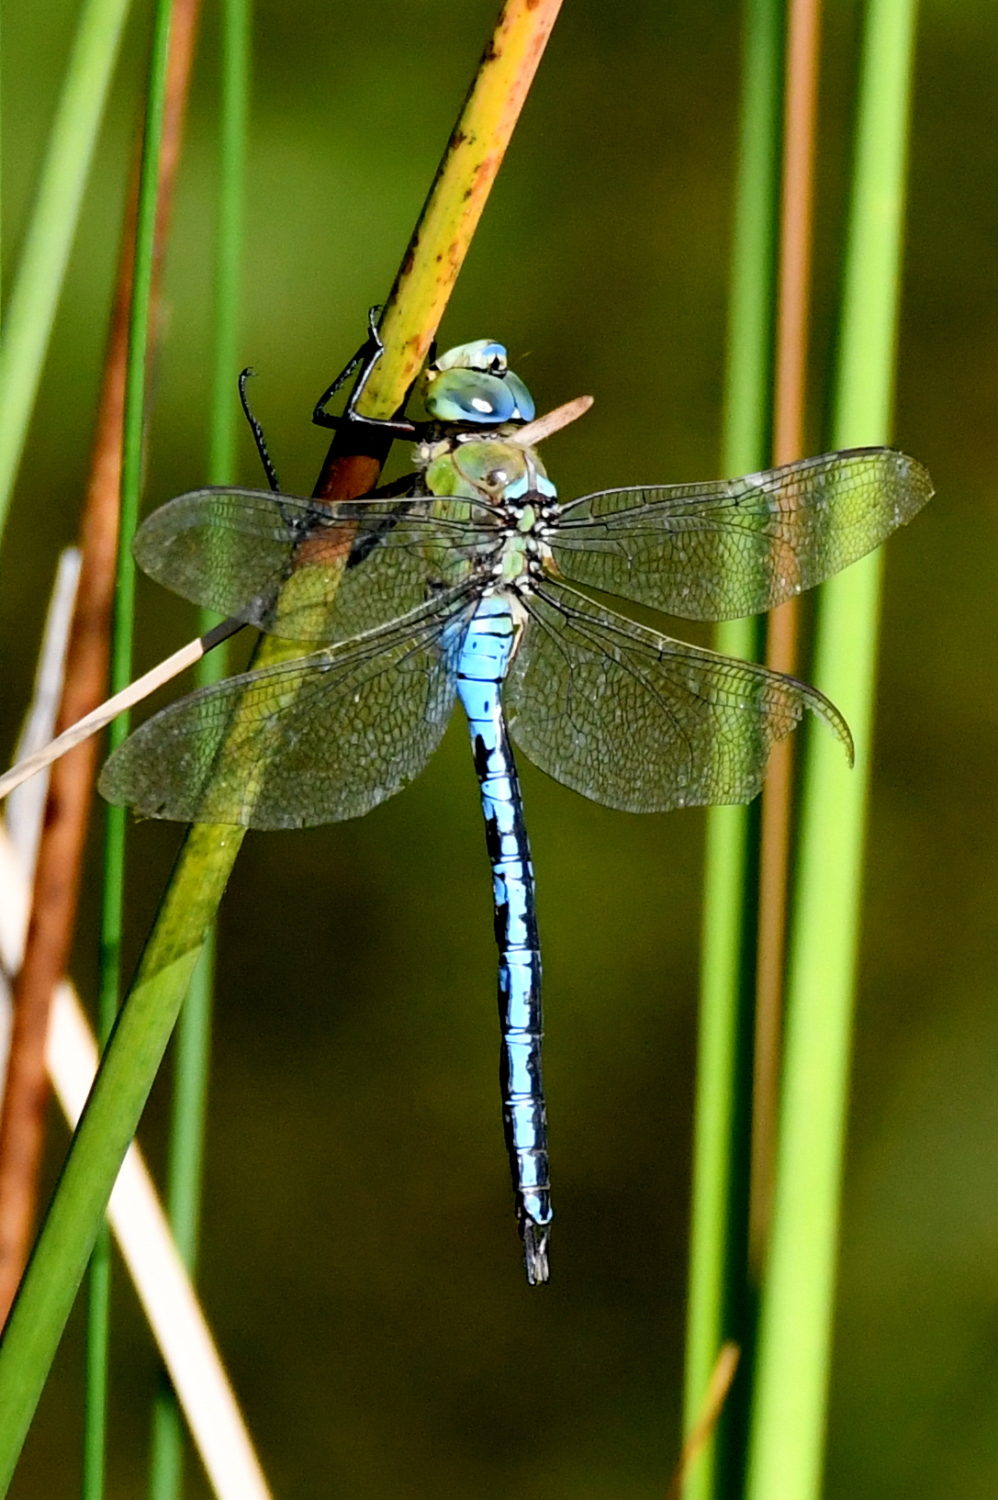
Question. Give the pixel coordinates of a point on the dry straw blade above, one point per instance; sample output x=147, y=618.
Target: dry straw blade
x=139, y=1224
x=120, y=703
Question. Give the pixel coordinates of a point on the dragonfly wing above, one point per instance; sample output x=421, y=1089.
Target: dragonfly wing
x=738, y=547
x=315, y=740
x=226, y=549
x=641, y=722
x=296, y=568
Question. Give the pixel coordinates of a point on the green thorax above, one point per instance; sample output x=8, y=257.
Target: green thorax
x=490, y=484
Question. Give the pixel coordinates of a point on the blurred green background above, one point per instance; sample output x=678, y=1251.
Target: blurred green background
x=360, y=1263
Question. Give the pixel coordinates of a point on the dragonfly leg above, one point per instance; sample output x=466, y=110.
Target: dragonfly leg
x=367, y=356
x=257, y=431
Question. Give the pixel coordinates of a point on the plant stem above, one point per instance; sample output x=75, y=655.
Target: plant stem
x=789, y=1416
x=38, y=282
x=192, y=1053
x=718, y=1310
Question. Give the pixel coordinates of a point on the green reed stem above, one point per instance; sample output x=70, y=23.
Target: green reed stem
x=38, y=281
x=192, y=1052
x=113, y=885
x=717, y=1307
x=787, y=1446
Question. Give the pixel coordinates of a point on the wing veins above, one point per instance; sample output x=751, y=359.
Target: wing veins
x=590, y=632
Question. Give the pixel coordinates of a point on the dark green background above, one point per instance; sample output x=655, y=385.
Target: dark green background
x=360, y=1261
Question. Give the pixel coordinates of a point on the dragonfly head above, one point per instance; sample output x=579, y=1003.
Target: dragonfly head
x=472, y=383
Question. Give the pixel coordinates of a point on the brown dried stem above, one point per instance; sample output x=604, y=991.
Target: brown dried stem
x=796, y=219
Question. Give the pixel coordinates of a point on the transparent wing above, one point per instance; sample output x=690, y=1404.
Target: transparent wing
x=314, y=740
x=741, y=546
x=641, y=722
x=299, y=568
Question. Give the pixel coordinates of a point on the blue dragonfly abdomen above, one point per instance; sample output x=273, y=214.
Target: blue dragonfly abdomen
x=482, y=664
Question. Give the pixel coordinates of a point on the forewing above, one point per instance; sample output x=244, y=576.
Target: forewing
x=741, y=546
x=641, y=722
x=297, y=568
x=315, y=740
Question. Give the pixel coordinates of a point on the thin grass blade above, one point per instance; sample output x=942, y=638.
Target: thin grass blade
x=38, y=282
x=718, y=1308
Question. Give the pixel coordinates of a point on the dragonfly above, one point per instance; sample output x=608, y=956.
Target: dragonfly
x=477, y=584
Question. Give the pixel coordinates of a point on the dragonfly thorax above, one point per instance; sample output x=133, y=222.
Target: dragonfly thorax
x=494, y=472
x=503, y=489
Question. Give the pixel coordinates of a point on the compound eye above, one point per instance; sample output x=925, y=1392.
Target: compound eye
x=474, y=396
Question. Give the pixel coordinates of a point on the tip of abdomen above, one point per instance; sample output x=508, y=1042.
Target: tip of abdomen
x=535, y=1251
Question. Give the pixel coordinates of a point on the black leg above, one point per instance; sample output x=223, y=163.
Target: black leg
x=257, y=431
x=367, y=355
